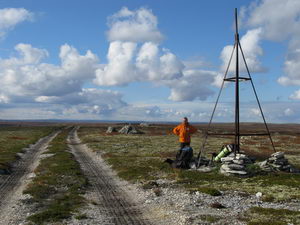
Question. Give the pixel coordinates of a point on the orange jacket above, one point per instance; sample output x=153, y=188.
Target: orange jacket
x=184, y=132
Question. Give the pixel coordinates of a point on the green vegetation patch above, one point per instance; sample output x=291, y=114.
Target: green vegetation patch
x=14, y=139
x=259, y=215
x=59, y=184
x=209, y=218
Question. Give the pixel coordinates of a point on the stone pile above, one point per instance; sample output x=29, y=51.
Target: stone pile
x=277, y=162
x=111, y=130
x=128, y=129
x=235, y=165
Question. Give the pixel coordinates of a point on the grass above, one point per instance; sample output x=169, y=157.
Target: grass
x=81, y=217
x=13, y=139
x=210, y=218
x=261, y=216
x=139, y=158
x=209, y=191
x=59, y=184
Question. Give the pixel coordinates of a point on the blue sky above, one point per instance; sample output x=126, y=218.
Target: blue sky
x=146, y=60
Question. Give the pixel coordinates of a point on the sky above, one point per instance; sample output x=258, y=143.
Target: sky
x=147, y=60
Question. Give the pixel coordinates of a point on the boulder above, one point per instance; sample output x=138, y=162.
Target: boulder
x=111, y=130
x=128, y=129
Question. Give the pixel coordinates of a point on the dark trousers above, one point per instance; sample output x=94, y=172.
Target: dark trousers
x=183, y=144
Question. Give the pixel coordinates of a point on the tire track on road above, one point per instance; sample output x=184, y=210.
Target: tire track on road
x=10, y=184
x=115, y=205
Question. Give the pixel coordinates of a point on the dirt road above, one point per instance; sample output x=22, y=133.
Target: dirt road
x=12, y=185
x=115, y=205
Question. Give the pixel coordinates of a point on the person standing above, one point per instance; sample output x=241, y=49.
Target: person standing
x=184, y=131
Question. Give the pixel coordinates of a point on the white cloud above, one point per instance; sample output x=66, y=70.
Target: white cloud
x=10, y=17
x=26, y=55
x=295, y=95
x=195, y=84
x=255, y=111
x=26, y=77
x=280, y=20
x=252, y=50
x=291, y=68
x=4, y=99
x=134, y=26
x=120, y=69
x=136, y=56
x=46, y=99
x=288, y=112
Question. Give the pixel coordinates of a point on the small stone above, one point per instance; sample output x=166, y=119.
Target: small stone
x=237, y=161
x=227, y=159
x=238, y=172
x=258, y=195
x=281, y=161
x=192, y=165
x=236, y=167
x=31, y=175
x=19, y=155
x=263, y=163
x=204, y=169
x=278, y=155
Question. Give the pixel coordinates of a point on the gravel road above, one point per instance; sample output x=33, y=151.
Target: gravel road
x=12, y=185
x=114, y=205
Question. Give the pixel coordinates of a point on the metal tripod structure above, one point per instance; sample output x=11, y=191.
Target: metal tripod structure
x=236, y=79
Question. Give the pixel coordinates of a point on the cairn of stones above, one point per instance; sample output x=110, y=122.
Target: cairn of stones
x=128, y=129
x=277, y=162
x=111, y=130
x=235, y=165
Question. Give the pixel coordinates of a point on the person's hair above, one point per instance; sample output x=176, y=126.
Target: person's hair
x=186, y=119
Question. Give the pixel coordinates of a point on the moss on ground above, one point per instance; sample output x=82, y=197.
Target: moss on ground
x=261, y=216
x=14, y=139
x=59, y=184
x=210, y=218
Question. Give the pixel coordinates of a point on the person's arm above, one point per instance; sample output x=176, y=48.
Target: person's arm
x=176, y=130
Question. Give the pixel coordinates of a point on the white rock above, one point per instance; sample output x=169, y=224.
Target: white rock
x=258, y=195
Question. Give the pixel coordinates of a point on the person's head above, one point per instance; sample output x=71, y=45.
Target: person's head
x=185, y=120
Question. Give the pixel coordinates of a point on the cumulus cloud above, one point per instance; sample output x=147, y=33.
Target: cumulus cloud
x=134, y=26
x=295, y=95
x=255, y=111
x=120, y=69
x=94, y=101
x=288, y=112
x=27, y=77
x=250, y=43
x=10, y=17
x=193, y=85
x=291, y=68
x=127, y=63
x=135, y=55
x=280, y=20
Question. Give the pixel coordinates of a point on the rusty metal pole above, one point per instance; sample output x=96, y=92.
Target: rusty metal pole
x=237, y=95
